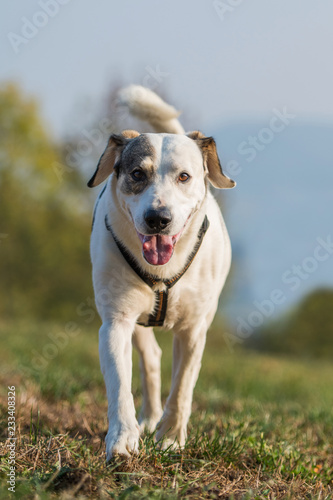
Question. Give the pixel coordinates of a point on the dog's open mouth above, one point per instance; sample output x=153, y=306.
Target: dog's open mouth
x=157, y=249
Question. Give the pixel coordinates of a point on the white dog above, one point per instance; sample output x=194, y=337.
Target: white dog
x=161, y=253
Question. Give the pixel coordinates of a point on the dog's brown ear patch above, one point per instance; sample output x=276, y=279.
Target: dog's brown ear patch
x=111, y=154
x=196, y=134
x=130, y=134
x=211, y=160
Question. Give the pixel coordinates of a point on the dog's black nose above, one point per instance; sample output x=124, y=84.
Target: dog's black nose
x=158, y=219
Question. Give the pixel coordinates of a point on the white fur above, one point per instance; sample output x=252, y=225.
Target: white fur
x=122, y=298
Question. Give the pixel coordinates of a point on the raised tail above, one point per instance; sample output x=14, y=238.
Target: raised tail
x=148, y=106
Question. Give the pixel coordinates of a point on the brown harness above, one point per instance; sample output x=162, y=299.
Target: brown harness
x=161, y=297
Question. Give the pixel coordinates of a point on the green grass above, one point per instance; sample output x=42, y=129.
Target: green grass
x=262, y=426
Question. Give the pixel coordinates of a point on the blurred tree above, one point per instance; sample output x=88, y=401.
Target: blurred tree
x=307, y=331
x=45, y=223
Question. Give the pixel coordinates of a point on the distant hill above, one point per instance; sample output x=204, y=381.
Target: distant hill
x=282, y=204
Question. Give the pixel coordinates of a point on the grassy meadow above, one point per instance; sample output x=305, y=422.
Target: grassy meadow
x=262, y=426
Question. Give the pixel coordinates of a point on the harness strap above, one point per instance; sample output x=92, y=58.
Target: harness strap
x=161, y=297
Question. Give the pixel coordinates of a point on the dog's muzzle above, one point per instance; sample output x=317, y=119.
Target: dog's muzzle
x=157, y=247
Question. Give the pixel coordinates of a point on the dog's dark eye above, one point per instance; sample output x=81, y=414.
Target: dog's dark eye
x=138, y=174
x=183, y=177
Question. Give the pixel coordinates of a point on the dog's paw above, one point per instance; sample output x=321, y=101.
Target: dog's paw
x=122, y=441
x=149, y=423
x=168, y=443
x=170, y=433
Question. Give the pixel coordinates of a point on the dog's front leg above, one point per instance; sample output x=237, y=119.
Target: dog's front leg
x=188, y=347
x=115, y=351
x=150, y=365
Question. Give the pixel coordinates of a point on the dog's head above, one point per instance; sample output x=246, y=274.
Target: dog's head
x=161, y=183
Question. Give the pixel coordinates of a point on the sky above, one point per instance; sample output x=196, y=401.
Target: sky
x=219, y=59
x=225, y=64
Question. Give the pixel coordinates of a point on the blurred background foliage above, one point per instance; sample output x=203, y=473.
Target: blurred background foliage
x=306, y=331
x=45, y=225
x=45, y=220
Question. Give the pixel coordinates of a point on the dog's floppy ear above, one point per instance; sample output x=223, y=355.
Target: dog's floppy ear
x=111, y=155
x=211, y=161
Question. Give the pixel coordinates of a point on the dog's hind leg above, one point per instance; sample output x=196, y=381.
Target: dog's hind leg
x=188, y=347
x=150, y=366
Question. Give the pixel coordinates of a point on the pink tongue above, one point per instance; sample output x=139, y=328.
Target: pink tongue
x=157, y=249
